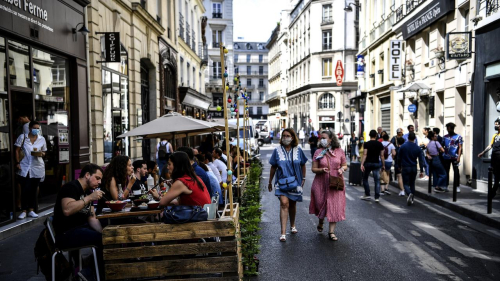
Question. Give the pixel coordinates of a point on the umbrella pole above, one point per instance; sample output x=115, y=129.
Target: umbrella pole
x=230, y=183
x=238, y=143
x=244, y=138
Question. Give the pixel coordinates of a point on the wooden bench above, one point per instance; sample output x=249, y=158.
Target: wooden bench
x=175, y=251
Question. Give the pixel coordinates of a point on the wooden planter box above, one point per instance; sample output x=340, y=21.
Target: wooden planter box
x=175, y=251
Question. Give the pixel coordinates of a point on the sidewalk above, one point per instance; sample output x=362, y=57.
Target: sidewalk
x=470, y=202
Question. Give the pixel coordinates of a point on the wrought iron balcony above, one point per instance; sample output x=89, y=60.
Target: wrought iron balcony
x=216, y=15
x=410, y=5
x=193, y=43
x=203, y=53
x=400, y=13
x=491, y=7
x=181, y=26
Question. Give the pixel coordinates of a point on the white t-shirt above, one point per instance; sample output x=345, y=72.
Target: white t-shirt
x=221, y=168
x=158, y=147
x=390, y=148
x=31, y=164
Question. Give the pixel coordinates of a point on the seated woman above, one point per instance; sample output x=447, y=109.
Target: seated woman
x=118, y=174
x=186, y=186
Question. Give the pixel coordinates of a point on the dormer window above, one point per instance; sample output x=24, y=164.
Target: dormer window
x=236, y=46
x=249, y=46
x=260, y=47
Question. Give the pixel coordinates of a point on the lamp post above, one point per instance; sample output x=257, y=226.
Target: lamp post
x=348, y=8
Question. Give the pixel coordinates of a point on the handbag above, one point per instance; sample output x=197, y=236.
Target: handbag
x=288, y=183
x=184, y=214
x=21, y=152
x=335, y=183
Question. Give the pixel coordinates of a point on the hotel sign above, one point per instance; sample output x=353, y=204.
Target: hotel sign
x=430, y=13
x=458, y=45
x=395, y=59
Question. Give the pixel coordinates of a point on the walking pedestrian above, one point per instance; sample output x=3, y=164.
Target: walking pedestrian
x=423, y=146
x=30, y=150
x=370, y=163
x=328, y=161
x=313, y=143
x=452, y=144
x=379, y=133
x=495, y=155
x=436, y=132
x=302, y=137
x=288, y=163
x=411, y=129
x=397, y=166
x=434, y=149
x=389, y=154
x=163, y=151
x=354, y=141
x=399, y=134
x=409, y=153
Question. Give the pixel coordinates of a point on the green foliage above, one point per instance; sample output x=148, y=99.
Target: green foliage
x=250, y=217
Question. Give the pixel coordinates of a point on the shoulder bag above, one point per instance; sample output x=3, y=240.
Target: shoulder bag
x=336, y=183
x=288, y=183
x=184, y=214
x=21, y=153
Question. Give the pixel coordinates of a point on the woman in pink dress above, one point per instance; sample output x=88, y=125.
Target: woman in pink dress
x=326, y=202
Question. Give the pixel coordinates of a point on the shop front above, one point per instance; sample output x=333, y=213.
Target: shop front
x=486, y=97
x=44, y=72
x=327, y=122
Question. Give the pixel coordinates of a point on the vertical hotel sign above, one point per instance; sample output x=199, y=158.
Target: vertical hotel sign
x=111, y=46
x=395, y=59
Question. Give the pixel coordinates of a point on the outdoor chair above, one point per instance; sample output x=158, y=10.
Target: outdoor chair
x=58, y=250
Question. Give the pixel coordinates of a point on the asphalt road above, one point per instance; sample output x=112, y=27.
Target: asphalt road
x=378, y=241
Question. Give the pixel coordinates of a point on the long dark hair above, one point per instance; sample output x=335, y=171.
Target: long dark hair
x=116, y=169
x=182, y=167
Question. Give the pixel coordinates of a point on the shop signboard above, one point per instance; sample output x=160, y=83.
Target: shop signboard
x=326, y=118
x=339, y=73
x=412, y=108
x=458, y=45
x=111, y=46
x=395, y=59
x=360, y=70
x=63, y=144
x=429, y=14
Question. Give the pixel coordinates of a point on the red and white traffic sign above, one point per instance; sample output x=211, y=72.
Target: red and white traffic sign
x=339, y=73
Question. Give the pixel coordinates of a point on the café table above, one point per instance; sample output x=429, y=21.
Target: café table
x=127, y=213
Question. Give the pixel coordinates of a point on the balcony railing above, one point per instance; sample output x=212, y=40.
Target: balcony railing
x=400, y=13
x=203, y=53
x=215, y=44
x=491, y=7
x=217, y=76
x=252, y=61
x=188, y=37
x=193, y=43
x=327, y=47
x=254, y=73
x=261, y=86
x=181, y=26
x=327, y=20
x=216, y=15
x=410, y=6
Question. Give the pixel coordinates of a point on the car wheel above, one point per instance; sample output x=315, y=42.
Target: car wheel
x=260, y=143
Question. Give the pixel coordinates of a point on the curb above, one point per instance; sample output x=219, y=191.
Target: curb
x=482, y=218
x=19, y=227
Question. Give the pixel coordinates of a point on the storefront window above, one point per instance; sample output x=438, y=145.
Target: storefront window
x=51, y=94
x=493, y=98
x=115, y=107
x=19, y=65
x=6, y=206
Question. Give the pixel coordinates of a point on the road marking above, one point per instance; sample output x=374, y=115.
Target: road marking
x=428, y=262
x=349, y=197
x=434, y=245
x=453, y=243
x=414, y=233
x=393, y=208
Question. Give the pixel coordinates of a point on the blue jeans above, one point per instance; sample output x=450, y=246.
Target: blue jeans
x=409, y=175
x=313, y=150
x=82, y=236
x=426, y=164
x=375, y=168
x=161, y=163
x=438, y=173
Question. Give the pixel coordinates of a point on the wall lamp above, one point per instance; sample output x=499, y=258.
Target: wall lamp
x=83, y=30
x=348, y=8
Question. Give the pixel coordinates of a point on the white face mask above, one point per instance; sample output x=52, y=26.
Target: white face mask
x=287, y=141
x=324, y=142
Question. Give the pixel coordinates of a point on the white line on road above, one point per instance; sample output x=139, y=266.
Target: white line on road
x=349, y=197
x=393, y=208
x=453, y=243
x=428, y=262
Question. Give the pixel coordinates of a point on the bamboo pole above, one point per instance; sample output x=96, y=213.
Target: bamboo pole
x=244, y=137
x=238, y=142
x=224, y=97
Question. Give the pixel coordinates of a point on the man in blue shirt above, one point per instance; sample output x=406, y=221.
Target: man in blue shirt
x=197, y=169
x=452, y=144
x=411, y=129
x=408, y=155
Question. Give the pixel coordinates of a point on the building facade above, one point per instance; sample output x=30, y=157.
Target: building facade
x=320, y=48
x=250, y=63
x=45, y=77
x=278, y=74
x=219, y=30
x=405, y=43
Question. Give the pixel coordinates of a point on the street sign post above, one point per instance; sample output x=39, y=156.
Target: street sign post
x=339, y=73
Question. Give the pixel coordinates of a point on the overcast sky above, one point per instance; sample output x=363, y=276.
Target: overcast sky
x=254, y=20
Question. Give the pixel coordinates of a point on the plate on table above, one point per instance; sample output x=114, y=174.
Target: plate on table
x=106, y=210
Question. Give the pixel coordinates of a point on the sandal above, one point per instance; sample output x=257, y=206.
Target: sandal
x=320, y=227
x=283, y=238
x=332, y=236
x=294, y=230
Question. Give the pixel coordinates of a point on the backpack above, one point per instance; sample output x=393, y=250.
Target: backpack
x=162, y=151
x=44, y=249
x=386, y=151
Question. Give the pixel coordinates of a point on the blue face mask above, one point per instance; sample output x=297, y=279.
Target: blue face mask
x=35, y=131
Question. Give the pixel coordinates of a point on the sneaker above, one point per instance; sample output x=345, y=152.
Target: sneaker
x=425, y=178
x=365, y=197
x=377, y=200
x=22, y=216
x=382, y=193
x=32, y=214
x=438, y=189
x=401, y=193
x=387, y=192
x=409, y=201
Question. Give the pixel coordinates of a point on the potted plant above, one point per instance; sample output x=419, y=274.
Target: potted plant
x=409, y=64
x=439, y=52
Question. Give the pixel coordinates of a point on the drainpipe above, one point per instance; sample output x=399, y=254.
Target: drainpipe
x=89, y=96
